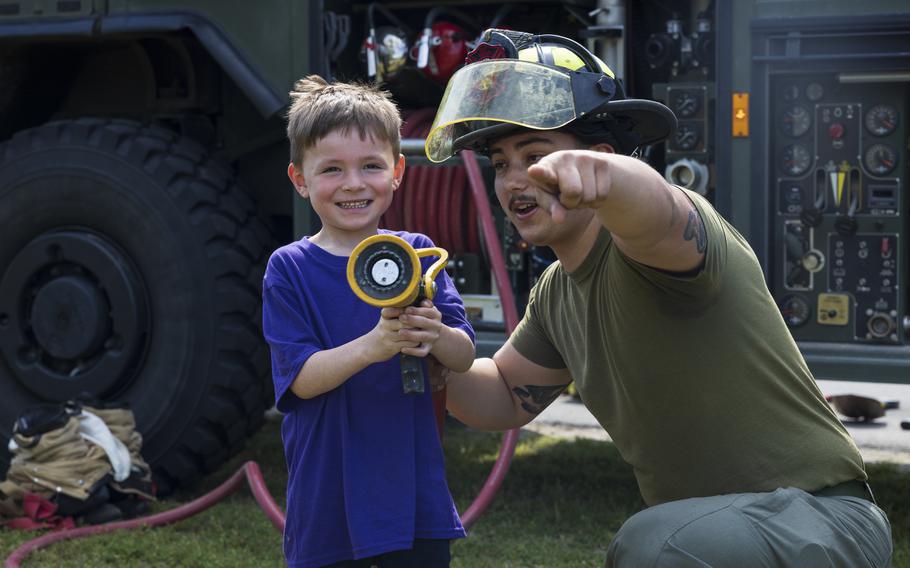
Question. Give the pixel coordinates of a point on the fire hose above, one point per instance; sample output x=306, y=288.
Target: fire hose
x=451, y=232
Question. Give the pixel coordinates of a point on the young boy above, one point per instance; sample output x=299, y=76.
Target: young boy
x=366, y=480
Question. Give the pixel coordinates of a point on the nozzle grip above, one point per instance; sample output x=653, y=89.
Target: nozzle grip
x=412, y=375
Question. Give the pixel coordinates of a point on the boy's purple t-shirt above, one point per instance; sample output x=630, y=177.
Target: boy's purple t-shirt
x=365, y=466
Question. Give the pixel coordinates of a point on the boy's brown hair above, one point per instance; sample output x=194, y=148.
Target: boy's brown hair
x=319, y=108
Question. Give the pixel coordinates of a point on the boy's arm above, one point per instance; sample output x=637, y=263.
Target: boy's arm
x=326, y=370
x=651, y=221
x=504, y=392
x=423, y=325
x=454, y=349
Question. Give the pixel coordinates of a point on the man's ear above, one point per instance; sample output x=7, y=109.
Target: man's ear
x=398, y=172
x=603, y=147
x=296, y=177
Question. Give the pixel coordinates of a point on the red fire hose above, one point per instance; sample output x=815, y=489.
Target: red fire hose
x=510, y=314
x=450, y=228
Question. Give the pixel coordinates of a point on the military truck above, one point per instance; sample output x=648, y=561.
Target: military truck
x=142, y=182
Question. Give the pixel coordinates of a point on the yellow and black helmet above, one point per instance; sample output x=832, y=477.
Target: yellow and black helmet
x=516, y=80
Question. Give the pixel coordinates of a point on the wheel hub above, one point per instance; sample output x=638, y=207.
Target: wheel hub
x=73, y=316
x=69, y=317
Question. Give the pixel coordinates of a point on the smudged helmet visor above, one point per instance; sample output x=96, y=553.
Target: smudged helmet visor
x=511, y=92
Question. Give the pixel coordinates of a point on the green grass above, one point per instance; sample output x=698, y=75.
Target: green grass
x=560, y=505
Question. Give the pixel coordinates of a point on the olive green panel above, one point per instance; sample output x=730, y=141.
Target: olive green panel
x=43, y=9
x=827, y=8
x=271, y=34
x=740, y=151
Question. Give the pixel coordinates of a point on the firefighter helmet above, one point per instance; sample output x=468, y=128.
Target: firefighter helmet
x=448, y=46
x=516, y=80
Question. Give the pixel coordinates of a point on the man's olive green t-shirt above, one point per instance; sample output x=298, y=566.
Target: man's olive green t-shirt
x=696, y=379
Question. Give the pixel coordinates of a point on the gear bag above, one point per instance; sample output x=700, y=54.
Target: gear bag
x=76, y=457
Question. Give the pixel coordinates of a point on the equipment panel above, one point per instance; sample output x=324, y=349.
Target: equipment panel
x=838, y=157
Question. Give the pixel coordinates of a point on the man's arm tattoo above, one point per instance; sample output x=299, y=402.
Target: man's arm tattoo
x=695, y=229
x=535, y=398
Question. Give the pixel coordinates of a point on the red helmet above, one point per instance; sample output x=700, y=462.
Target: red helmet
x=448, y=46
x=443, y=45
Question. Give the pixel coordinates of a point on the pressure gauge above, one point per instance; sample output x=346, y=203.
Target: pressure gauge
x=685, y=103
x=880, y=159
x=795, y=160
x=795, y=309
x=815, y=92
x=790, y=92
x=686, y=136
x=881, y=120
x=795, y=121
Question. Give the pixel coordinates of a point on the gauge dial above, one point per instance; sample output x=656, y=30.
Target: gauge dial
x=880, y=159
x=686, y=136
x=796, y=310
x=815, y=92
x=795, y=160
x=384, y=272
x=685, y=103
x=790, y=92
x=881, y=120
x=795, y=121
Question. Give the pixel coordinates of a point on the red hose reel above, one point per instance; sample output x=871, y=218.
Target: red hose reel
x=434, y=200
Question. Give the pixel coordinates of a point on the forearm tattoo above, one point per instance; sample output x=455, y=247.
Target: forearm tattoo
x=534, y=398
x=695, y=229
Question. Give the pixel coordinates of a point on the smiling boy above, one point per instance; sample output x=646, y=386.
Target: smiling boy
x=366, y=478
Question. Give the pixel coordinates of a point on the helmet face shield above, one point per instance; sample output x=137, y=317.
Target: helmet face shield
x=514, y=80
x=505, y=91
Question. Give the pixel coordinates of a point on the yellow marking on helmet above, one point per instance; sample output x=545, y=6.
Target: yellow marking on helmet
x=562, y=57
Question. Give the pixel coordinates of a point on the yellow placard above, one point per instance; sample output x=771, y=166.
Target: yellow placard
x=740, y=115
x=833, y=309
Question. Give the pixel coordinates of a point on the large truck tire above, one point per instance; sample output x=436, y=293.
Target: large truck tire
x=130, y=269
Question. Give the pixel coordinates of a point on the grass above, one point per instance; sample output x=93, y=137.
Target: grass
x=560, y=505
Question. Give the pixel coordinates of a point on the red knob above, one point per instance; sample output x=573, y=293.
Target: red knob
x=836, y=131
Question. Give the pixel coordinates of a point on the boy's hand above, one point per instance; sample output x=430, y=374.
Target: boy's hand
x=421, y=325
x=576, y=178
x=385, y=340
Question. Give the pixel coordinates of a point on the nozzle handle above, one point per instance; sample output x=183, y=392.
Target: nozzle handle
x=412, y=376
